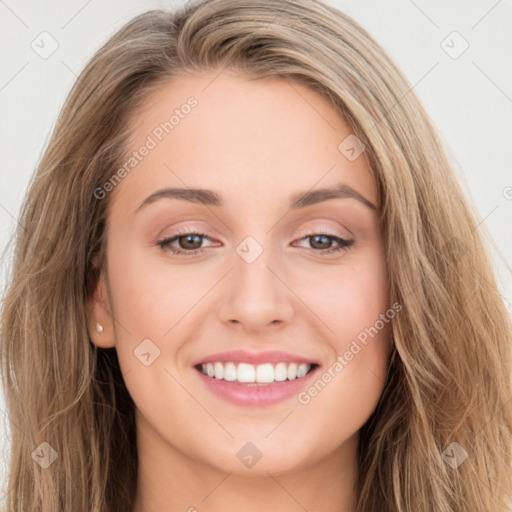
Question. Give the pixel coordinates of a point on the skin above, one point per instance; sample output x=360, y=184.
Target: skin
x=255, y=143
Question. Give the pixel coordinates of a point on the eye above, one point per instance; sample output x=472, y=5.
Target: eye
x=190, y=243
x=321, y=240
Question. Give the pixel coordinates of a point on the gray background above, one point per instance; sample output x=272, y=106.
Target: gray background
x=469, y=98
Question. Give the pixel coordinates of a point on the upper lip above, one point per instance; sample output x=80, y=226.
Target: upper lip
x=243, y=356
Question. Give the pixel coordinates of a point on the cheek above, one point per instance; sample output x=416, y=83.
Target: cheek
x=158, y=302
x=151, y=297
x=347, y=298
x=350, y=386
x=354, y=305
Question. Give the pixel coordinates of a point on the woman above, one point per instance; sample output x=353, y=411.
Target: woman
x=338, y=344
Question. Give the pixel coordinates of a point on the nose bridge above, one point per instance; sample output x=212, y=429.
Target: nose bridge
x=256, y=296
x=254, y=259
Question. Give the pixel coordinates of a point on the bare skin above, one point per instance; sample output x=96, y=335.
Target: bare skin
x=256, y=144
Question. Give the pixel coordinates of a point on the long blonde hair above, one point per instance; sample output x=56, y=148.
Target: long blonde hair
x=449, y=385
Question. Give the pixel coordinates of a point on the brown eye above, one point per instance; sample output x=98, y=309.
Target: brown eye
x=320, y=241
x=188, y=243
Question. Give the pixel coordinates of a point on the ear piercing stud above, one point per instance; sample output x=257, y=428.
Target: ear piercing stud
x=99, y=328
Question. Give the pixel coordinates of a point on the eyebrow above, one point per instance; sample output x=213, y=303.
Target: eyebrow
x=301, y=200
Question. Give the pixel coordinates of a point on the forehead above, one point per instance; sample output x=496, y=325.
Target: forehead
x=266, y=136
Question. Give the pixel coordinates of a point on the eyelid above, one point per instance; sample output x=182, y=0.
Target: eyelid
x=186, y=230
x=313, y=230
x=325, y=230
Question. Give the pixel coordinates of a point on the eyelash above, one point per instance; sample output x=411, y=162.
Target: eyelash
x=165, y=243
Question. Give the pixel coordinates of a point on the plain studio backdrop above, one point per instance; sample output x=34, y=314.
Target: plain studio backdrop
x=456, y=56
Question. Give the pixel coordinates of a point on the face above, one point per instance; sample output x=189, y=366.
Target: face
x=245, y=276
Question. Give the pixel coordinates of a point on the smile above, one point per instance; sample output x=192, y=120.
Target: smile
x=245, y=373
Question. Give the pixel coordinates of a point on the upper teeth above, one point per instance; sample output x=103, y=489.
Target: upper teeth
x=262, y=373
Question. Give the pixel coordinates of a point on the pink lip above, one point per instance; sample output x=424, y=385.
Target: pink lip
x=254, y=394
x=243, y=356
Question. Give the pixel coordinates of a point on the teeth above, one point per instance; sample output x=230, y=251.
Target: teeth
x=248, y=373
x=218, y=370
x=265, y=373
x=229, y=371
x=280, y=372
x=292, y=371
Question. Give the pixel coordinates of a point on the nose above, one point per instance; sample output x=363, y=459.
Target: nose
x=256, y=295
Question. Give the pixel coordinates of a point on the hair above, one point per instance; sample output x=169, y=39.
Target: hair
x=449, y=377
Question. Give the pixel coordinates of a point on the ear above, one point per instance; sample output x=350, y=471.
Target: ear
x=99, y=311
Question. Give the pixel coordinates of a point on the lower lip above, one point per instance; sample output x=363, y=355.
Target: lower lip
x=254, y=394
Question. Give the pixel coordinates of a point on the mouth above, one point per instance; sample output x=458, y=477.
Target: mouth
x=263, y=378
x=248, y=374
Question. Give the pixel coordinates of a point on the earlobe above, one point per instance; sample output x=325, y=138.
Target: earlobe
x=100, y=322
